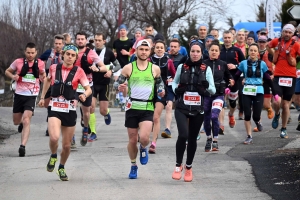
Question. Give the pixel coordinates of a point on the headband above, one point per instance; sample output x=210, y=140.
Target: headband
x=71, y=47
x=289, y=27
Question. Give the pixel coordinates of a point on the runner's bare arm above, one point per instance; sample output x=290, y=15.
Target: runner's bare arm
x=9, y=72
x=86, y=93
x=126, y=71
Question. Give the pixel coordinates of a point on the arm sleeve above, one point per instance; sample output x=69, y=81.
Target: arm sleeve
x=176, y=79
x=209, y=77
x=227, y=74
x=171, y=68
x=241, y=56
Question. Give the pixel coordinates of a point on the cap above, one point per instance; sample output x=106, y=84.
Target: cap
x=143, y=43
x=251, y=35
x=123, y=26
x=264, y=30
x=159, y=36
x=262, y=38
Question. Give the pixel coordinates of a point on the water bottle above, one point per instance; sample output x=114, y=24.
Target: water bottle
x=159, y=91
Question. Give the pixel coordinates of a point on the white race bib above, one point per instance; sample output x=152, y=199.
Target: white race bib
x=128, y=104
x=250, y=90
x=217, y=104
x=192, y=99
x=29, y=78
x=285, y=82
x=298, y=73
x=233, y=95
x=60, y=105
x=80, y=89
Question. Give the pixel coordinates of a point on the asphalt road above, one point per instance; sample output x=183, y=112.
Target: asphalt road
x=267, y=169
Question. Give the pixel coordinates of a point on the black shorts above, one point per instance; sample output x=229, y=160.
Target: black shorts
x=285, y=93
x=22, y=103
x=67, y=119
x=102, y=91
x=134, y=117
x=88, y=101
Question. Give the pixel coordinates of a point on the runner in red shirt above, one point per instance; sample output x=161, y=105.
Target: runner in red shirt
x=27, y=72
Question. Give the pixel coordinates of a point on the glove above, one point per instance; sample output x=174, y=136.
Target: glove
x=205, y=84
x=227, y=91
x=276, y=97
x=179, y=90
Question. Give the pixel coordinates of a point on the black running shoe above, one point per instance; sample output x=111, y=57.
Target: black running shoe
x=51, y=164
x=84, y=138
x=20, y=128
x=21, y=151
x=298, y=127
x=47, y=133
x=215, y=146
x=62, y=174
x=208, y=145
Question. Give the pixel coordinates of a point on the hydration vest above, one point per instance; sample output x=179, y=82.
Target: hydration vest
x=278, y=48
x=85, y=65
x=25, y=68
x=250, y=72
x=52, y=58
x=63, y=88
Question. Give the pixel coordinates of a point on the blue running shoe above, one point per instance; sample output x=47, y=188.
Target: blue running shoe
x=166, y=133
x=275, y=121
x=143, y=155
x=92, y=137
x=133, y=172
x=283, y=133
x=107, y=119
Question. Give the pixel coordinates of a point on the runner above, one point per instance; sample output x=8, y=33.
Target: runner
x=68, y=38
x=297, y=89
x=142, y=76
x=101, y=83
x=62, y=108
x=50, y=57
x=286, y=51
x=85, y=60
x=215, y=32
x=255, y=72
x=27, y=73
x=213, y=104
x=167, y=73
x=190, y=84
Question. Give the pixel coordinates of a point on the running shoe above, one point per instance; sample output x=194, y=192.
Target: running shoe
x=20, y=128
x=166, y=133
x=292, y=106
x=270, y=113
x=231, y=121
x=21, y=151
x=51, y=164
x=188, y=175
x=92, y=137
x=248, y=140
x=259, y=127
x=177, y=173
x=84, y=138
x=255, y=129
x=241, y=116
x=275, y=121
x=47, y=133
x=123, y=107
x=283, y=133
x=215, y=146
x=289, y=120
x=107, y=119
x=298, y=127
x=133, y=172
x=152, y=149
x=82, y=122
x=221, y=130
x=62, y=174
x=143, y=155
x=73, y=143
x=208, y=145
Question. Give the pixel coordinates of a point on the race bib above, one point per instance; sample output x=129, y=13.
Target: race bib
x=60, y=105
x=170, y=83
x=233, y=95
x=128, y=104
x=285, y=82
x=217, y=104
x=250, y=90
x=298, y=73
x=80, y=89
x=192, y=99
x=29, y=78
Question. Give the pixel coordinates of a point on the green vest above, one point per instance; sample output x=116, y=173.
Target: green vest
x=141, y=88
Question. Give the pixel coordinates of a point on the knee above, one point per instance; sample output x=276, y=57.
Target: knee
x=256, y=118
x=169, y=106
x=247, y=116
x=156, y=119
x=66, y=146
x=103, y=111
x=133, y=140
x=26, y=121
x=53, y=139
x=92, y=109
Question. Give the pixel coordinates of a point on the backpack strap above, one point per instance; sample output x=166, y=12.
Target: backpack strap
x=71, y=75
x=58, y=76
x=25, y=68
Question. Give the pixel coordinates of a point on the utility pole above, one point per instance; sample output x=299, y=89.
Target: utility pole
x=120, y=16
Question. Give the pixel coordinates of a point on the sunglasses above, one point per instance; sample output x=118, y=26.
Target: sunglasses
x=262, y=42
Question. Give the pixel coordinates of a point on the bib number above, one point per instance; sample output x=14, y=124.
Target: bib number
x=285, y=82
x=233, y=95
x=28, y=78
x=192, y=99
x=60, y=105
x=250, y=90
x=217, y=104
x=128, y=104
x=298, y=73
x=80, y=89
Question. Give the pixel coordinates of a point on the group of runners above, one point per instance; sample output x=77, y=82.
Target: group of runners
x=148, y=77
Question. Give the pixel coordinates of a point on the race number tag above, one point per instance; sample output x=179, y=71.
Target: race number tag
x=298, y=73
x=250, y=90
x=80, y=89
x=217, y=104
x=60, y=105
x=29, y=78
x=233, y=95
x=128, y=104
x=192, y=99
x=285, y=82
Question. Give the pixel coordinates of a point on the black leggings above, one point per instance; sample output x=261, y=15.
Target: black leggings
x=254, y=102
x=187, y=131
x=241, y=94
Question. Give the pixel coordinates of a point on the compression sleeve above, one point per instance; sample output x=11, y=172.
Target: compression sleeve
x=176, y=79
x=120, y=80
x=117, y=66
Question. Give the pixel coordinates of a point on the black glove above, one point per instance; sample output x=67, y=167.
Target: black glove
x=205, y=84
x=180, y=90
